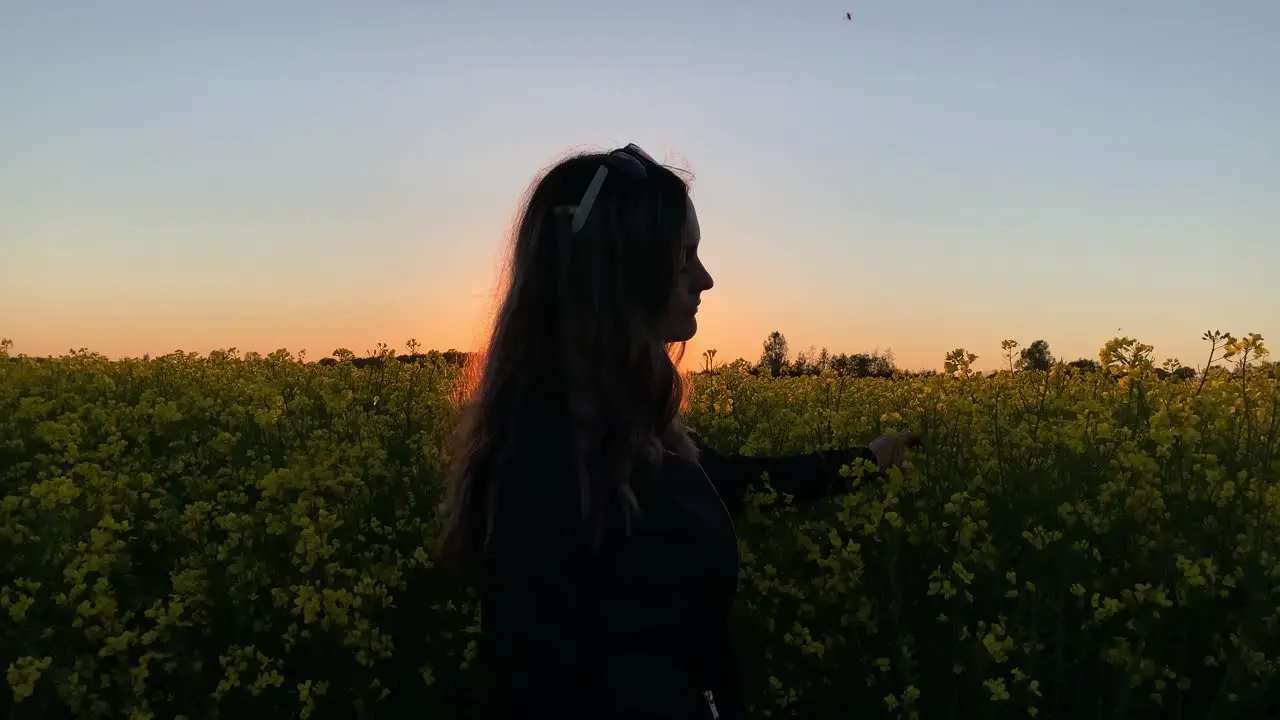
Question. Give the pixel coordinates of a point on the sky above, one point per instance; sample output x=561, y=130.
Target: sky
x=933, y=174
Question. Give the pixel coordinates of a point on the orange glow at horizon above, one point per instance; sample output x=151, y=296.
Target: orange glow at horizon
x=734, y=331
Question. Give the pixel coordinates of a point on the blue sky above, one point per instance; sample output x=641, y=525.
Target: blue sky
x=929, y=176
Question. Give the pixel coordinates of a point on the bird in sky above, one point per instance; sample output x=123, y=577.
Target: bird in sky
x=848, y=16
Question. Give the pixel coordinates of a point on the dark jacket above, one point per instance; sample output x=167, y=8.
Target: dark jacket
x=639, y=630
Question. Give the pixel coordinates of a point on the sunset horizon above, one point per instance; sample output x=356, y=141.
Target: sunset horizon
x=693, y=359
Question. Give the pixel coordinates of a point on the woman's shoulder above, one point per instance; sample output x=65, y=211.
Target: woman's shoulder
x=702, y=453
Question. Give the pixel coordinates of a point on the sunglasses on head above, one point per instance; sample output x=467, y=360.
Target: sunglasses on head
x=630, y=161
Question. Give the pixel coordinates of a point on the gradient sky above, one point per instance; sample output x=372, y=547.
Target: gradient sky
x=935, y=174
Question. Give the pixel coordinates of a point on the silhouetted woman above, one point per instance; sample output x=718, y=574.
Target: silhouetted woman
x=602, y=529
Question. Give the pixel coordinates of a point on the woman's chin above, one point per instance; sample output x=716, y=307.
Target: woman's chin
x=683, y=330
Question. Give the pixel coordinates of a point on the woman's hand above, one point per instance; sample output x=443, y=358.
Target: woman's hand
x=890, y=450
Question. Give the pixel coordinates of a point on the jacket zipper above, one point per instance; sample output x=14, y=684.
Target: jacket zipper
x=711, y=702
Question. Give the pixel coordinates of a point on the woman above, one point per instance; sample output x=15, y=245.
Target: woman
x=607, y=554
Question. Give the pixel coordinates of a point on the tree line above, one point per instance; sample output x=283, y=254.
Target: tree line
x=1240, y=354
x=1245, y=354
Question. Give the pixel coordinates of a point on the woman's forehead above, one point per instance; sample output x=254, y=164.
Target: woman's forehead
x=692, y=229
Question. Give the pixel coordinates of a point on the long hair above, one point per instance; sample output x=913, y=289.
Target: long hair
x=576, y=344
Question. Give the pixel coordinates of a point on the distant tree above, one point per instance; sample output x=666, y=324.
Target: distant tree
x=881, y=364
x=1173, y=368
x=775, y=354
x=1085, y=365
x=802, y=364
x=1035, y=356
x=1270, y=368
x=456, y=358
x=811, y=362
x=872, y=364
x=862, y=365
x=840, y=363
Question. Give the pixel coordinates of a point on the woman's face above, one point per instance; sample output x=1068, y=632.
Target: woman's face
x=692, y=279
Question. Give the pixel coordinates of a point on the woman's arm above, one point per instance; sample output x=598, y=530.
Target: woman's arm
x=807, y=476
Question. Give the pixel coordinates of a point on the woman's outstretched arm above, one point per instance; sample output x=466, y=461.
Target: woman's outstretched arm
x=806, y=476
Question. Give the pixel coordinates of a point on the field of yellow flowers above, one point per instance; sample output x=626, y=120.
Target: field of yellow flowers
x=228, y=536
